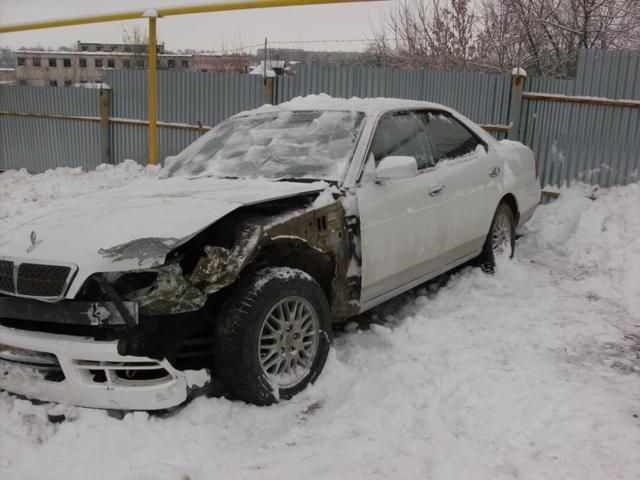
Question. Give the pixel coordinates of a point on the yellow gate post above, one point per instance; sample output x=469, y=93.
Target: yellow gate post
x=153, y=100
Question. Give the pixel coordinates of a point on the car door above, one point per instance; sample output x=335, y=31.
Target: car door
x=402, y=234
x=473, y=173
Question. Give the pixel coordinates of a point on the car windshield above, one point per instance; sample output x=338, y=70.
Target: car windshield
x=277, y=144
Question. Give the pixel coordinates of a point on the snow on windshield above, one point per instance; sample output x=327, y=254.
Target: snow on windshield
x=276, y=144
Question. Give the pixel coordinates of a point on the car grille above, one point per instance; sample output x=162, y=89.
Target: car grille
x=6, y=276
x=34, y=280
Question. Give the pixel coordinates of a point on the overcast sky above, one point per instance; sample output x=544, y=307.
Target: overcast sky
x=209, y=31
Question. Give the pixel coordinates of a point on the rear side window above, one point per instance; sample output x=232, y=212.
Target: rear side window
x=402, y=133
x=448, y=137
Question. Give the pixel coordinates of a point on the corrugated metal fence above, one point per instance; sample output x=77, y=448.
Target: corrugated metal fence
x=39, y=143
x=592, y=143
x=183, y=97
x=481, y=97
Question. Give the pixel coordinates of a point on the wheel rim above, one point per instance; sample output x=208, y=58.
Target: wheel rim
x=288, y=341
x=501, y=236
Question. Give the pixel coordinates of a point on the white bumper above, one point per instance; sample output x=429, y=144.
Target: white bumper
x=94, y=373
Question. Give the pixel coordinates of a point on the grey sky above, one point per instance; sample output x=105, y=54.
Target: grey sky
x=204, y=31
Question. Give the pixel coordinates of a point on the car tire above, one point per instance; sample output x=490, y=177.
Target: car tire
x=502, y=234
x=272, y=336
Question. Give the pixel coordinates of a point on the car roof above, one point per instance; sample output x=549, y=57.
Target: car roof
x=369, y=106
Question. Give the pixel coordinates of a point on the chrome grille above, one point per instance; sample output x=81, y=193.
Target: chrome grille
x=26, y=279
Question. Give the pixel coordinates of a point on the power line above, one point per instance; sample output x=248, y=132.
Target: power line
x=291, y=42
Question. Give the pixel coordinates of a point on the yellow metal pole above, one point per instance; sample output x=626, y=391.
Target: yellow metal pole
x=153, y=139
x=169, y=11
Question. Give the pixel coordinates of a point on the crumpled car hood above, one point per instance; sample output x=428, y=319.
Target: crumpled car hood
x=135, y=226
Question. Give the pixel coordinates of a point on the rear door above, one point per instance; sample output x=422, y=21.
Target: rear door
x=473, y=173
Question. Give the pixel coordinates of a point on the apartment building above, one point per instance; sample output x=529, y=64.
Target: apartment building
x=89, y=61
x=7, y=76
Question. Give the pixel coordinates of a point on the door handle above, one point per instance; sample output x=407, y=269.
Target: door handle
x=494, y=172
x=436, y=189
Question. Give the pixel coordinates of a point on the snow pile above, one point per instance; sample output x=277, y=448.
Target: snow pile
x=531, y=373
x=322, y=101
x=20, y=191
x=601, y=239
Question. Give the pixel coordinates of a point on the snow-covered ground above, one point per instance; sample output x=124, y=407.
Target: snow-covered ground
x=533, y=373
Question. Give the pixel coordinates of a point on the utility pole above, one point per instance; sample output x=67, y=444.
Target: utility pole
x=267, y=82
x=264, y=65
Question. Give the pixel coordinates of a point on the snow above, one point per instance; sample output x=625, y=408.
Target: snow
x=531, y=373
x=259, y=70
x=272, y=145
x=369, y=106
x=21, y=192
x=150, y=12
x=518, y=72
x=96, y=85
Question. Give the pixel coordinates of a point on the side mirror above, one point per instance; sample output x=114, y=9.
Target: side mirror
x=397, y=167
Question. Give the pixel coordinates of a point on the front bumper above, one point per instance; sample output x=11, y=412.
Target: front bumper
x=92, y=314
x=89, y=373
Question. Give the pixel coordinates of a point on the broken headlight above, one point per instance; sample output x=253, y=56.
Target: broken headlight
x=133, y=281
x=158, y=291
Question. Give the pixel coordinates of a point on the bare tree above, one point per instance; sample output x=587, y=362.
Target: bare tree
x=136, y=41
x=543, y=36
x=427, y=34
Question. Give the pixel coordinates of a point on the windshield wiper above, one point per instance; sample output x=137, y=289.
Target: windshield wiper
x=302, y=179
x=210, y=175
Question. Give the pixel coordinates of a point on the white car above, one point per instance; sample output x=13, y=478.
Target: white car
x=230, y=268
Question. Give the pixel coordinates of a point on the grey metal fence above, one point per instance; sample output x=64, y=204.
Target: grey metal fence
x=592, y=143
x=41, y=143
x=183, y=97
x=598, y=144
x=482, y=97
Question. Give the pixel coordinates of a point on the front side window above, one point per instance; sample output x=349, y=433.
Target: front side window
x=83, y=63
x=111, y=63
x=21, y=61
x=36, y=61
x=98, y=62
x=67, y=63
x=52, y=62
x=277, y=144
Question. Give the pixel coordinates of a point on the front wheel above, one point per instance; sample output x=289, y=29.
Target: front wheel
x=272, y=336
x=501, y=239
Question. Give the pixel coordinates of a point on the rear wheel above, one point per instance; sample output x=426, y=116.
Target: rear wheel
x=501, y=239
x=272, y=336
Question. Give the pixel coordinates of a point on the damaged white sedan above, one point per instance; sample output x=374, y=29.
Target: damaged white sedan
x=230, y=268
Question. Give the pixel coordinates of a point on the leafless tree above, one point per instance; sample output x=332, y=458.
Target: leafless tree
x=543, y=36
x=435, y=34
x=136, y=41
